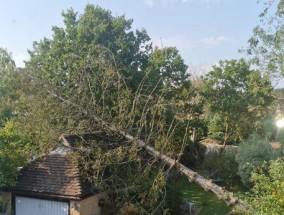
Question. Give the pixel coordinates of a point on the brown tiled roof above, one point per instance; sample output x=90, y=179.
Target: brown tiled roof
x=53, y=175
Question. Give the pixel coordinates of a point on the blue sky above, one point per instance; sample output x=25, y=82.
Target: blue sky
x=205, y=31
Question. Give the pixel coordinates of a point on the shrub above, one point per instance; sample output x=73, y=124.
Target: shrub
x=223, y=164
x=174, y=198
x=214, y=128
x=252, y=153
x=267, y=194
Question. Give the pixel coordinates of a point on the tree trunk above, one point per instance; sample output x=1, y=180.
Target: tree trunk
x=193, y=135
x=226, y=133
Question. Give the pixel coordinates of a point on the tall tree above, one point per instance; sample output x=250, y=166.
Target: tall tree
x=94, y=34
x=168, y=68
x=266, y=46
x=12, y=142
x=7, y=71
x=169, y=65
x=237, y=96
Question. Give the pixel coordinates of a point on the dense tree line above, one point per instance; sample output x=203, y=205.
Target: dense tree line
x=97, y=72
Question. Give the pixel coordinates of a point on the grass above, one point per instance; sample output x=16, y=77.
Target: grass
x=206, y=201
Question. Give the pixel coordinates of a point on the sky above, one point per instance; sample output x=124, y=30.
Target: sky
x=204, y=31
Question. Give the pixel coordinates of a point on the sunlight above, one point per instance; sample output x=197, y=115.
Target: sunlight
x=280, y=123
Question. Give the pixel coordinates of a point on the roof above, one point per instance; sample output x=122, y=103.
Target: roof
x=53, y=175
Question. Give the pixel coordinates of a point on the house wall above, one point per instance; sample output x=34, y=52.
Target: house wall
x=7, y=200
x=88, y=206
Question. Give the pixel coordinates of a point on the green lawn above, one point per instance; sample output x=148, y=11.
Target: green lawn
x=207, y=201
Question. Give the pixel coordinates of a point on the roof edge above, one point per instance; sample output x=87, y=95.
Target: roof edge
x=49, y=195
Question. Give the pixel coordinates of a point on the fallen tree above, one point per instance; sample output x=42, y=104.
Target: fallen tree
x=192, y=176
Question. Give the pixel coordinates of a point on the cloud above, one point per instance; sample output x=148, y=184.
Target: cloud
x=185, y=43
x=149, y=3
x=164, y=3
x=20, y=58
x=210, y=42
x=181, y=42
x=211, y=1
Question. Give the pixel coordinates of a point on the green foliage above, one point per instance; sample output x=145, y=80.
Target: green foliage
x=97, y=66
x=12, y=141
x=267, y=194
x=169, y=65
x=97, y=73
x=252, y=153
x=3, y=204
x=222, y=165
x=215, y=128
x=174, y=197
x=120, y=167
x=237, y=97
x=7, y=73
x=269, y=129
x=14, y=152
x=266, y=44
x=78, y=45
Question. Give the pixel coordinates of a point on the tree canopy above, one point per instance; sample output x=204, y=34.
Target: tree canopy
x=266, y=44
x=94, y=35
x=7, y=71
x=237, y=97
x=12, y=152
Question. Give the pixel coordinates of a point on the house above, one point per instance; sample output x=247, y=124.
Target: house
x=52, y=185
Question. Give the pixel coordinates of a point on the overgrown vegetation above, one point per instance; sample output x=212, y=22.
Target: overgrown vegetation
x=252, y=153
x=97, y=73
x=221, y=166
x=266, y=196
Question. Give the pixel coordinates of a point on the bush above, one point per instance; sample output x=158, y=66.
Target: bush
x=174, y=198
x=3, y=204
x=193, y=154
x=267, y=194
x=223, y=164
x=252, y=153
x=214, y=128
x=269, y=128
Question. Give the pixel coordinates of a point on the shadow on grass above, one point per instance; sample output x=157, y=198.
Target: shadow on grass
x=206, y=201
